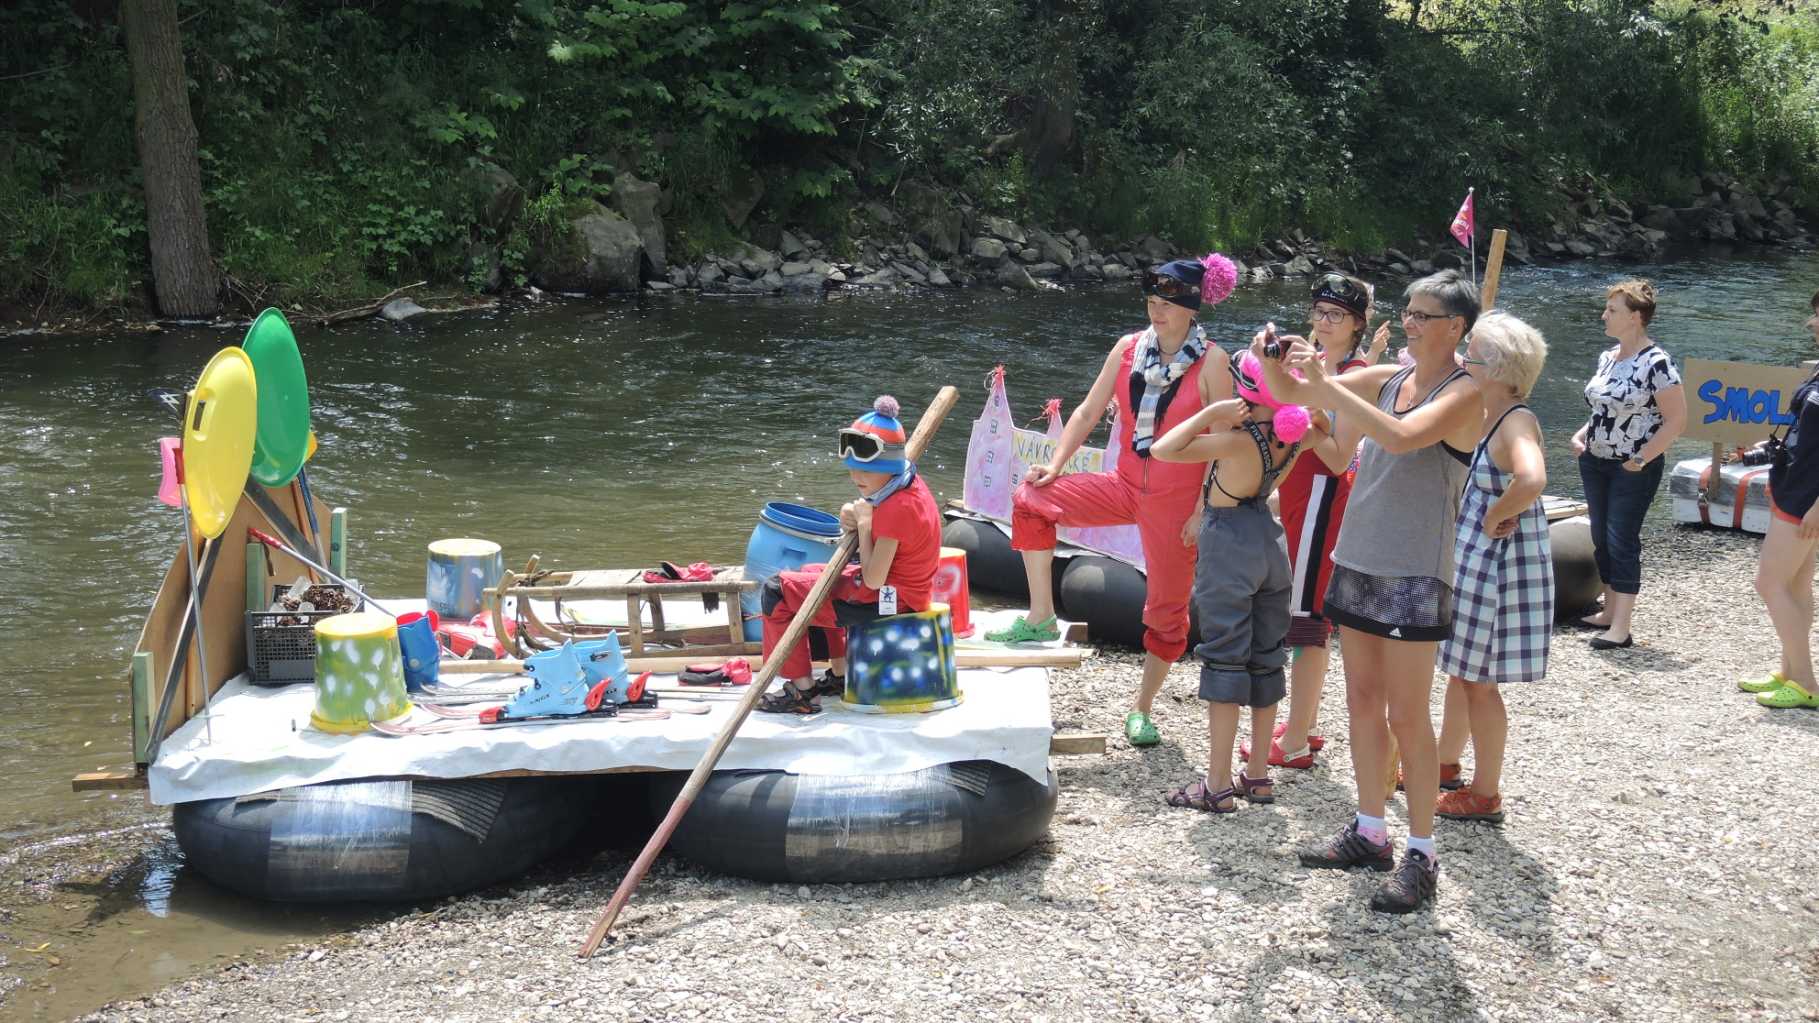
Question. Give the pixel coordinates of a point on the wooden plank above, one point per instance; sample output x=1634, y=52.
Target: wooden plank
x=1076, y=743
x=735, y=622
x=223, y=615
x=143, y=705
x=1047, y=657
x=107, y=781
x=634, y=617
x=545, y=590
x=256, y=596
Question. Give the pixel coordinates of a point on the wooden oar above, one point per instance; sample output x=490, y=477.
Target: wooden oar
x=1493, y=268
x=798, y=628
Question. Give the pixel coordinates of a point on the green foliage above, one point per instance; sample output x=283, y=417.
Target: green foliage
x=340, y=142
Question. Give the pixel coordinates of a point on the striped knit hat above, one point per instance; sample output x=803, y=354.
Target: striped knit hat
x=881, y=422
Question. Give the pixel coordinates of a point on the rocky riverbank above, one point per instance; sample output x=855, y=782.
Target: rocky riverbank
x=1650, y=869
x=927, y=239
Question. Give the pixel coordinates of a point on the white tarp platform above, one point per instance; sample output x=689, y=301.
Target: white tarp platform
x=263, y=740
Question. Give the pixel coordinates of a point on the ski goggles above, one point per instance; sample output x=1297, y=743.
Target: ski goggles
x=1164, y=286
x=865, y=447
x=1342, y=291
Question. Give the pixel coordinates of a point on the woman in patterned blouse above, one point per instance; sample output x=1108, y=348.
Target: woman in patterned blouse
x=1638, y=410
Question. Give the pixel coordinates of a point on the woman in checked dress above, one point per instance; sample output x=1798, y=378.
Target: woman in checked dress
x=1503, y=583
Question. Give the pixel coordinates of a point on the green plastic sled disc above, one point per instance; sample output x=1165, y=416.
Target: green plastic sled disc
x=282, y=443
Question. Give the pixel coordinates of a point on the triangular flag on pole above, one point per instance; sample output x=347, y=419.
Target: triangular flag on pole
x=1464, y=227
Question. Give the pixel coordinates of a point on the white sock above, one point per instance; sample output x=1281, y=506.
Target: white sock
x=1375, y=829
x=1424, y=846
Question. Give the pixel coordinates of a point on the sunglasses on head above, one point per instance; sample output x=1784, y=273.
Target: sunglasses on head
x=1164, y=286
x=1341, y=289
x=857, y=444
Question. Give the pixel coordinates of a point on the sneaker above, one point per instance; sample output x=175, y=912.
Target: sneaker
x=1139, y=730
x=1409, y=887
x=1467, y=805
x=1773, y=681
x=1023, y=631
x=1350, y=849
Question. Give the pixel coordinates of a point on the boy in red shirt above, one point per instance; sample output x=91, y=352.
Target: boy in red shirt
x=899, y=529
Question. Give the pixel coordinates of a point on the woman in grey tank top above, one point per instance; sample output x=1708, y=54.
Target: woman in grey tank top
x=1391, y=590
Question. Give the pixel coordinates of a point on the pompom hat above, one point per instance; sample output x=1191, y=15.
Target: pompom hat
x=1212, y=276
x=881, y=422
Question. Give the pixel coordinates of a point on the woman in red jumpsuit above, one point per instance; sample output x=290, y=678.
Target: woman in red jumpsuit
x=1159, y=377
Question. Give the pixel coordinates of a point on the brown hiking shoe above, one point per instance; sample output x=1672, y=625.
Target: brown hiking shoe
x=1467, y=805
x=1349, y=849
x=1409, y=887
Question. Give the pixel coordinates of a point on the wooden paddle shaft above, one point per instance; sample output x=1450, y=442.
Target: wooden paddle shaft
x=1493, y=268
x=798, y=628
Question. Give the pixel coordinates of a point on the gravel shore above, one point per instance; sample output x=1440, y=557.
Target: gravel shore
x=1653, y=867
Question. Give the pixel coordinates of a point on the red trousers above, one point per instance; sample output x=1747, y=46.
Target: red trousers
x=1105, y=499
x=795, y=587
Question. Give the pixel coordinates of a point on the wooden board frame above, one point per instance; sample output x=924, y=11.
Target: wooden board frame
x=223, y=610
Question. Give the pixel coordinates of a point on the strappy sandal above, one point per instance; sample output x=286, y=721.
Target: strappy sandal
x=1194, y=796
x=789, y=700
x=829, y=684
x=1256, y=790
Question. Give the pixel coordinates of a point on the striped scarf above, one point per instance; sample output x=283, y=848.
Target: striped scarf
x=1157, y=379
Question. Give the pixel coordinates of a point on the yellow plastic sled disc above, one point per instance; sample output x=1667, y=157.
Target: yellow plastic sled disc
x=219, y=424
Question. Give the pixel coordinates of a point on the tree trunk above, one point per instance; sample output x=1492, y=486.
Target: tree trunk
x=183, y=274
x=1049, y=135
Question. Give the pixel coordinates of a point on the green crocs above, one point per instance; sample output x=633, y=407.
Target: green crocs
x=1788, y=697
x=1773, y=681
x=1140, y=730
x=1021, y=631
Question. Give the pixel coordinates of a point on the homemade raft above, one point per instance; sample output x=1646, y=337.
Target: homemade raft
x=395, y=775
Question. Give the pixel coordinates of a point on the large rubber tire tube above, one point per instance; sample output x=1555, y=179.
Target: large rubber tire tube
x=1576, y=585
x=824, y=829
x=991, y=564
x=380, y=840
x=1108, y=596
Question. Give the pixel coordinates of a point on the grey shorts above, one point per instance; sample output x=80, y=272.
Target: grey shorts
x=1250, y=689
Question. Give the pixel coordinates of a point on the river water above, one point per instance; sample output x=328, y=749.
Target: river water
x=593, y=434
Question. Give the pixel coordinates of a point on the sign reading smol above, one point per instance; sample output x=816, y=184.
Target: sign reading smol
x=1734, y=404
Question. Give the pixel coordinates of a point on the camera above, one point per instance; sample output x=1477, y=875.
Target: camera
x=1272, y=347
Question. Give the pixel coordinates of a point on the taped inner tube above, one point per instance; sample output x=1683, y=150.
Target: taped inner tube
x=380, y=840
x=1576, y=585
x=773, y=826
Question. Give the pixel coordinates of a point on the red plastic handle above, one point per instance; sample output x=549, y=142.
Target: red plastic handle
x=264, y=539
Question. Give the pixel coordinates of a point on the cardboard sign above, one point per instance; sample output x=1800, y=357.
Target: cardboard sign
x=1737, y=403
x=998, y=454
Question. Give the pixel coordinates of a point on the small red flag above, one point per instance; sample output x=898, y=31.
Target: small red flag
x=1463, y=223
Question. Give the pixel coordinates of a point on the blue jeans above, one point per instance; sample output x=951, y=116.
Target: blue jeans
x=1619, y=499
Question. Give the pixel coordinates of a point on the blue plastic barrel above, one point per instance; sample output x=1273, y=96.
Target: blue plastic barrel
x=787, y=537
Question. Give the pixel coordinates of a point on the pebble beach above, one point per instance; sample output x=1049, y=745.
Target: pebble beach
x=1660, y=826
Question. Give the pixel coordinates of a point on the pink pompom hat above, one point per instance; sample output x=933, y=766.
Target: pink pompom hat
x=1291, y=421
